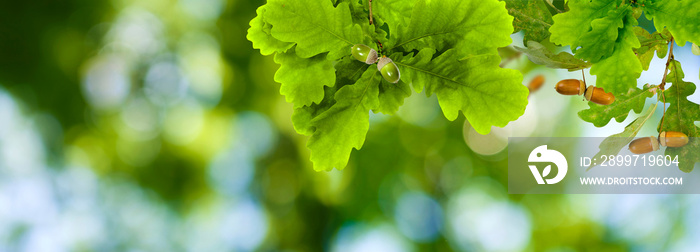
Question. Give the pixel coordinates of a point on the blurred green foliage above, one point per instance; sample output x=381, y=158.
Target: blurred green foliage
x=140, y=165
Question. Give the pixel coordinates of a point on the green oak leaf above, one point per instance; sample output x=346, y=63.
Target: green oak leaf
x=569, y=26
x=301, y=119
x=532, y=17
x=348, y=71
x=650, y=43
x=344, y=125
x=260, y=34
x=695, y=49
x=315, y=26
x=372, y=32
x=599, y=42
x=485, y=93
x=541, y=55
x=303, y=79
x=687, y=155
x=681, y=113
x=395, y=13
x=357, y=11
x=627, y=37
x=681, y=116
x=392, y=95
x=421, y=59
x=619, y=72
x=634, y=100
x=472, y=26
x=613, y=144
x=681, y=18
x=302, y=116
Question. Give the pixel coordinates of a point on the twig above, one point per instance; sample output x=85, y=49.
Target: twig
x=370, y=13
x=509, y=59
x=661, y=128
x=553, y=7
x=371, y=22
x=585, y=85
x=668, y=62
x=662, y=86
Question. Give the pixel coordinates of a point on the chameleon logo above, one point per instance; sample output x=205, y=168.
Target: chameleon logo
x=542, y=154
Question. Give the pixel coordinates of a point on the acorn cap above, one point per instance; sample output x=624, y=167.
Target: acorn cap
x=589, y=93
x=582, y=87
x=654, y=143
x=382, y=62
x=371, y=57
x=662, y=138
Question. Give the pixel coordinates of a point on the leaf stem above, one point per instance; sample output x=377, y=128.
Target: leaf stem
x=371, y=21
x=668, y=62
x=509, y=59
x=662, y=86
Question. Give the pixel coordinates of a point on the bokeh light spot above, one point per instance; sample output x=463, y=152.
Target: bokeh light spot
x=106, y=83
x=418, y=216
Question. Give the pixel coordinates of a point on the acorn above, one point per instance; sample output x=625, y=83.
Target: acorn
x=364, y=53
x=599, y=96
x=536, y=83
x=570, y=87
x=644, y=145
x=673, y=139
x=389, y=70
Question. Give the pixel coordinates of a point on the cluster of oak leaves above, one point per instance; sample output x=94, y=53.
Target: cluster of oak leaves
x=450, y=48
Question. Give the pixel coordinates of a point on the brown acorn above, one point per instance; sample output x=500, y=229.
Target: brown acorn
x=536, y=83
x=644, y=145
x=673, y=139
x=599, y=96
x=570, y=87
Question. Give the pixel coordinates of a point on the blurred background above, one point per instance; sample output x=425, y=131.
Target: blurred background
x=153, y=125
